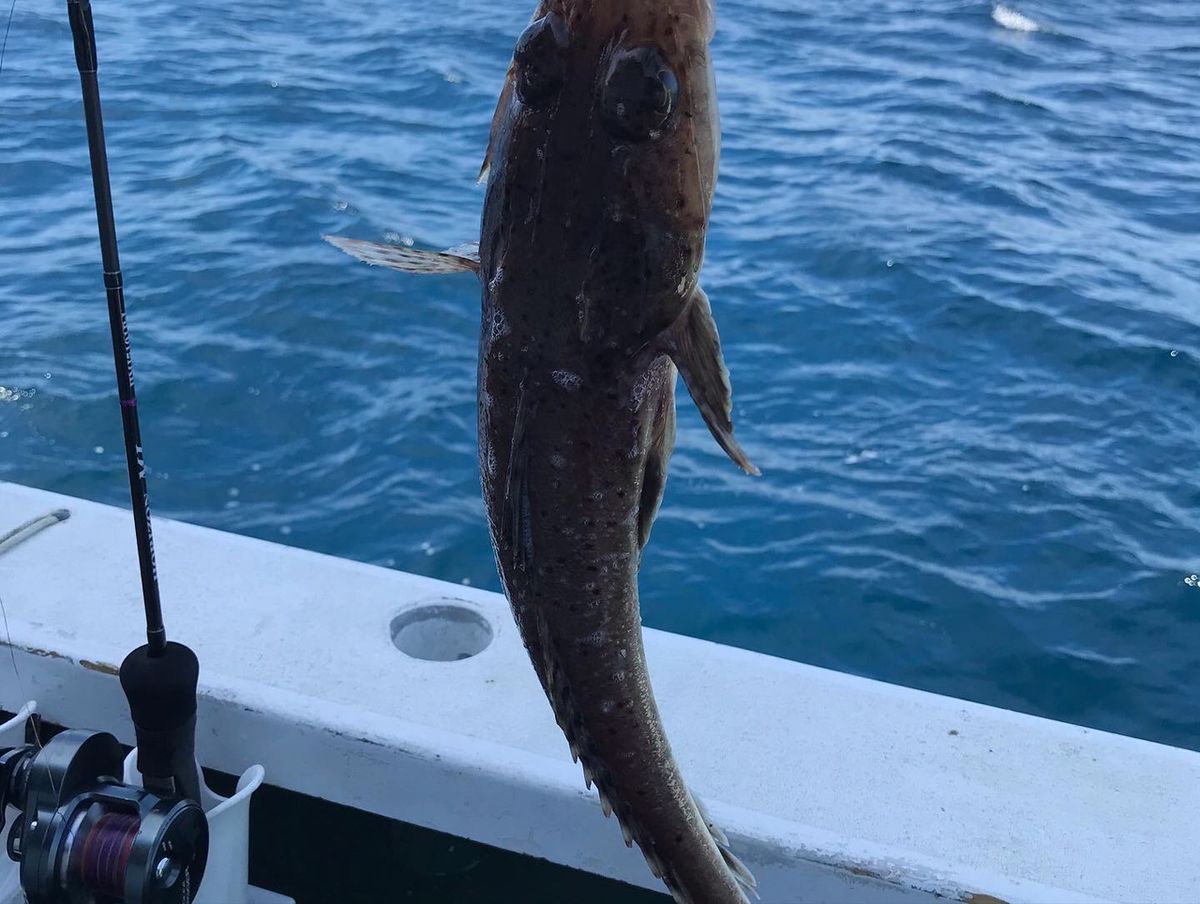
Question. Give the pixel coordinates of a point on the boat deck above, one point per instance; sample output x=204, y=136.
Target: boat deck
x=831, y=787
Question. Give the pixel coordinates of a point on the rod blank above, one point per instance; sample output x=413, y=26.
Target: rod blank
x=80, y=14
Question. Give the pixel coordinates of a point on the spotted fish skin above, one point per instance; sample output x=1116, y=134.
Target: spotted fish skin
x=600, y=174
x=592, y=239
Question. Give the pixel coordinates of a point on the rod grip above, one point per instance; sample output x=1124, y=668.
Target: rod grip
x=161, y=691
x=80, y=14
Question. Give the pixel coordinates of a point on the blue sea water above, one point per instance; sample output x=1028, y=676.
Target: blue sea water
x=956, y=266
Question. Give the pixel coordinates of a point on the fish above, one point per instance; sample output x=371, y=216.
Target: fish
x=600, y=171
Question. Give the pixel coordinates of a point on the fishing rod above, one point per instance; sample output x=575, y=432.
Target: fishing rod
x=85, y=56
x=159, y=677
x=81, y=836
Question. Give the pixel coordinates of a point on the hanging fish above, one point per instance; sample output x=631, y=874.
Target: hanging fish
x=600, y=171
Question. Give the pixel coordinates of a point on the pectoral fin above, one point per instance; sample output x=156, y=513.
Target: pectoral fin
x=694, y=346
x=453, y=260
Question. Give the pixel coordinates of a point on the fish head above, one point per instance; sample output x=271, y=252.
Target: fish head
x=641, y=70
x=609, y=129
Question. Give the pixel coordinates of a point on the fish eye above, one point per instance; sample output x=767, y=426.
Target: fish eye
x=539, y=58
x=639, y=93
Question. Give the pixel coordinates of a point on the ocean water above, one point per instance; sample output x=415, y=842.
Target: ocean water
x=955, y=259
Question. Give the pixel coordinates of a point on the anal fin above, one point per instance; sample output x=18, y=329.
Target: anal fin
x=694, y=346
x=515, y=524
x=654, y=479
x=459, y=259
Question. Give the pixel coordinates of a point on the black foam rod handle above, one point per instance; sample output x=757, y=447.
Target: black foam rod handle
x=162, y=701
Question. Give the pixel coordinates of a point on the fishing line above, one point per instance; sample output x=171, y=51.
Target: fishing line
x=11, y=655
x=23, y=531
x=3, y=47
x=8, y=540
x=16, y=671
x=34, y=721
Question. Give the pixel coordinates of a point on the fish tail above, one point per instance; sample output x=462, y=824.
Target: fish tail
x=695, y=862
x=691, y=879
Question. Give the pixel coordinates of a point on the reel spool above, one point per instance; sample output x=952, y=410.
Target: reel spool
x=83, y=837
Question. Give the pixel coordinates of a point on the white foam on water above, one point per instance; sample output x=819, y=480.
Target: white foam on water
x=1086, y=655
x=1013, y=20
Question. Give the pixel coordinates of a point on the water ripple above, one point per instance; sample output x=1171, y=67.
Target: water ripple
x=953, y=259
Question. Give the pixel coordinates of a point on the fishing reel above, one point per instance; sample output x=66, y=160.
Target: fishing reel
x=84, y=837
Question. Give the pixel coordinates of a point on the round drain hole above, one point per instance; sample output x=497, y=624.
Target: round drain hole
x=441, y=632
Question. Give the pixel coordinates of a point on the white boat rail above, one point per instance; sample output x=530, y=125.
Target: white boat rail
x=831, y=787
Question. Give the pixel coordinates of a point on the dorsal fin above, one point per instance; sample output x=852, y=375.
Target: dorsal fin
x=741, y=873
